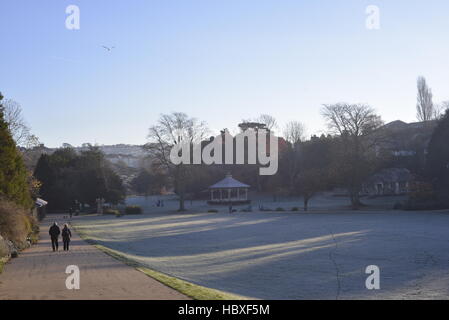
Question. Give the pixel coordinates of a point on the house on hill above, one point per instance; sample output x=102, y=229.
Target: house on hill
x=403, y=139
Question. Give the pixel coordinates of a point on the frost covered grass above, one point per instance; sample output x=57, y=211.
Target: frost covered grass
x=288, y=255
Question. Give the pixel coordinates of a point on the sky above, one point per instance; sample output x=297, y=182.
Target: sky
x=220, y=61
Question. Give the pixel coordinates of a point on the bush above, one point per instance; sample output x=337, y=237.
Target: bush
x=423, y=197
x=111, y=211
x=413, y=205
x=398, y=206
x=16, y=224
x=133, y=210
x=212, y=211
x=295, y=209
x=4, y=249
x=280, y=209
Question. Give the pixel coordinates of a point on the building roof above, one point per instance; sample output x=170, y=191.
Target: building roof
x=391, y=175
x=229, y=183
x=40, y=203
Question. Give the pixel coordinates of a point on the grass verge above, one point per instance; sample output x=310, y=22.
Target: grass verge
x=3, y=261
x=189, y=289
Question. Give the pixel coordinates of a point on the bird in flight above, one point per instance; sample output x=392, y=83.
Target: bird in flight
x=108, y=48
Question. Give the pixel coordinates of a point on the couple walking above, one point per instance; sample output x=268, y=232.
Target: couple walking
x=55, y=231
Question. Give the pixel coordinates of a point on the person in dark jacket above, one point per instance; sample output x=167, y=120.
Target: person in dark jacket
x=54, y=235
x=66, y=235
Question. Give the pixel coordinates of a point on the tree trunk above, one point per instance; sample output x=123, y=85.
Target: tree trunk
x=181, y=202
x=355, y=200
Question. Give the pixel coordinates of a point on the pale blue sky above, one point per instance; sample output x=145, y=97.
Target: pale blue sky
x=217, y=60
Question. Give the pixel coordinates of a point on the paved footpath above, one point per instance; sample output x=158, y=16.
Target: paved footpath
x=39, y=273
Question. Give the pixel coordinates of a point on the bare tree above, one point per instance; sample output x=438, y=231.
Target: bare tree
x=294, y=132
x=440, y=109
x=354, y=123
x=444, y=105
x=354, y=120
x=294, y=135
x=20, y=131
x=173, y=129
x=269, y=121
x=425, y=109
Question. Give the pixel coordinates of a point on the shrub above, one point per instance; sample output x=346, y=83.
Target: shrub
x=280, y=209
x=212, y=211
x=118, y=214
x=295, y=209
x=133, y=210
x=423, y=197
x=422, y=192
x=4, y=249
x=111, y=211
x=16, y=224
x=398, y=206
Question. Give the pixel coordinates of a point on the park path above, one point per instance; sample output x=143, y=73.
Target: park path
x=39, y=274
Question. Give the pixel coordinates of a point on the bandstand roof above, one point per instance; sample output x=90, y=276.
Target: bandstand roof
x=229, y=183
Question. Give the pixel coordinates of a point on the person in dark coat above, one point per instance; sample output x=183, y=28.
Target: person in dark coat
x=54, y=235
x=66, y=235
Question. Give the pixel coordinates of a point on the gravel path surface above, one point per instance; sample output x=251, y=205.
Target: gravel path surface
x=39, y=273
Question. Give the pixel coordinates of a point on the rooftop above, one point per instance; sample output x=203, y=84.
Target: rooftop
x=229, y=183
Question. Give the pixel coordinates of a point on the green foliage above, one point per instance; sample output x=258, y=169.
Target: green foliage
x=147, y=183
x=111, y=211
x=13, y=174
x=423, y=197
x=16, y=224
x=133, y=210
x=307, y=167
x=67, y=176
x=437, y=164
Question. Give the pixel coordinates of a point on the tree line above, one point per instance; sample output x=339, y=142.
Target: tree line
x=346, y=156
x=69, y=178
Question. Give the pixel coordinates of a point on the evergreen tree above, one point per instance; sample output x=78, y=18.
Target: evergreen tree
x=437, y=165
x=13, y=174
x=68, y=177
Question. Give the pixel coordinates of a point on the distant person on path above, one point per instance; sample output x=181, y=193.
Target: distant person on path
x=54, y=235
x=66, y=235
x=71, y=212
